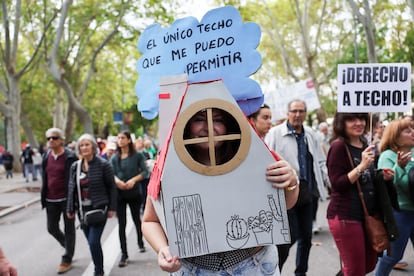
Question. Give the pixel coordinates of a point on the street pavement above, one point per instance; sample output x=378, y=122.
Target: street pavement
x=16, y=194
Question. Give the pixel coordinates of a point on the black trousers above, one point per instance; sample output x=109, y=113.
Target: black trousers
x=67, y=239
x=135, y=207
x=300, y=223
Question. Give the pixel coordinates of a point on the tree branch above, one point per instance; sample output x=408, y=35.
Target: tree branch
x=27, y=66
x=92, y=68
x=282, y=48
x=16, y=29
x=55, y=70
x=6, y=33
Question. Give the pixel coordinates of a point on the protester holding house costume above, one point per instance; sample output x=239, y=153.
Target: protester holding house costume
x=345, y=214
x=299, y=146
x=130, y=169
x=260, y=260
x=396, y=154
x=261, y=120
x=55, y=169
x=95, y=179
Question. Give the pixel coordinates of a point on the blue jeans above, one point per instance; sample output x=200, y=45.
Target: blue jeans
x=93, y=235
x=405, y=223
x=263, y=262
x=54, y=211
x=28, y=169
x=37, y=170
x=9, y=173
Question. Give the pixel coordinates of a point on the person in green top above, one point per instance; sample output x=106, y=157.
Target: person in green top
x=129, y=169
x=396, y=154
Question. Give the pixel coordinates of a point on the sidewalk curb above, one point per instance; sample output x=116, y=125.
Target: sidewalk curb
x=15, y=208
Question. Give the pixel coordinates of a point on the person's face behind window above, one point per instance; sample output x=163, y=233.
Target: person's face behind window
x=199, y=126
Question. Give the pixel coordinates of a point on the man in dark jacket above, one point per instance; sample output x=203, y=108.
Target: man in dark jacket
x=56, y=167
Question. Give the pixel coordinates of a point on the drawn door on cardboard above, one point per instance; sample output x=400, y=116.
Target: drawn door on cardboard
x=189, y=225
x=215, y=205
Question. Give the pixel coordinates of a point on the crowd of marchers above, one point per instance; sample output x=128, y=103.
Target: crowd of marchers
x=342, y=162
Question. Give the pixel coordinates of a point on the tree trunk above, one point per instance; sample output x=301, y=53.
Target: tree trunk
x=309, y=53
x=13, y=121
x=58, y=73
x=70, y=123
x=58, y=110
x=369, y=28
x=28, y=130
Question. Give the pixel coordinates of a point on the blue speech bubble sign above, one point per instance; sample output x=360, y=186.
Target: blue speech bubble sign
x=220, y=46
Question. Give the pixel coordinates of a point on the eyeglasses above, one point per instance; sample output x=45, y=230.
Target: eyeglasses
x=52, y=138
x=300, y=111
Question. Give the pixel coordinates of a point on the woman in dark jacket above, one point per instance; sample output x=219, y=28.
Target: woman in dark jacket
x=345, y=214
x=129, y=169
x=97, y=190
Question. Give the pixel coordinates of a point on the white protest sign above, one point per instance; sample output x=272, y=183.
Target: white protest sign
x=375, y=87
x=279, y=99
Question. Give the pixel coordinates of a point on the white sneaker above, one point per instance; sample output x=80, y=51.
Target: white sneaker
x=316, y=228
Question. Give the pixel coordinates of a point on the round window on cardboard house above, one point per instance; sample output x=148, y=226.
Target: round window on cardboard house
x=212, y=137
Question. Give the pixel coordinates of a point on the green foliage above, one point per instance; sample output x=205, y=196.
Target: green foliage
x=112, y=85
x=405, y=53
x=140, y=125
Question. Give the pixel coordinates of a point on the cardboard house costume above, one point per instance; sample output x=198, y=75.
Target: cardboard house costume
x=229, y=204
x=221, y=207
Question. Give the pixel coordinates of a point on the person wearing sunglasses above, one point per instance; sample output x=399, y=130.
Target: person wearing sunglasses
x=56, y=165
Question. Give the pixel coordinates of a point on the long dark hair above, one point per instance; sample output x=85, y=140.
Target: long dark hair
x=131, y=149
x=339, y=125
